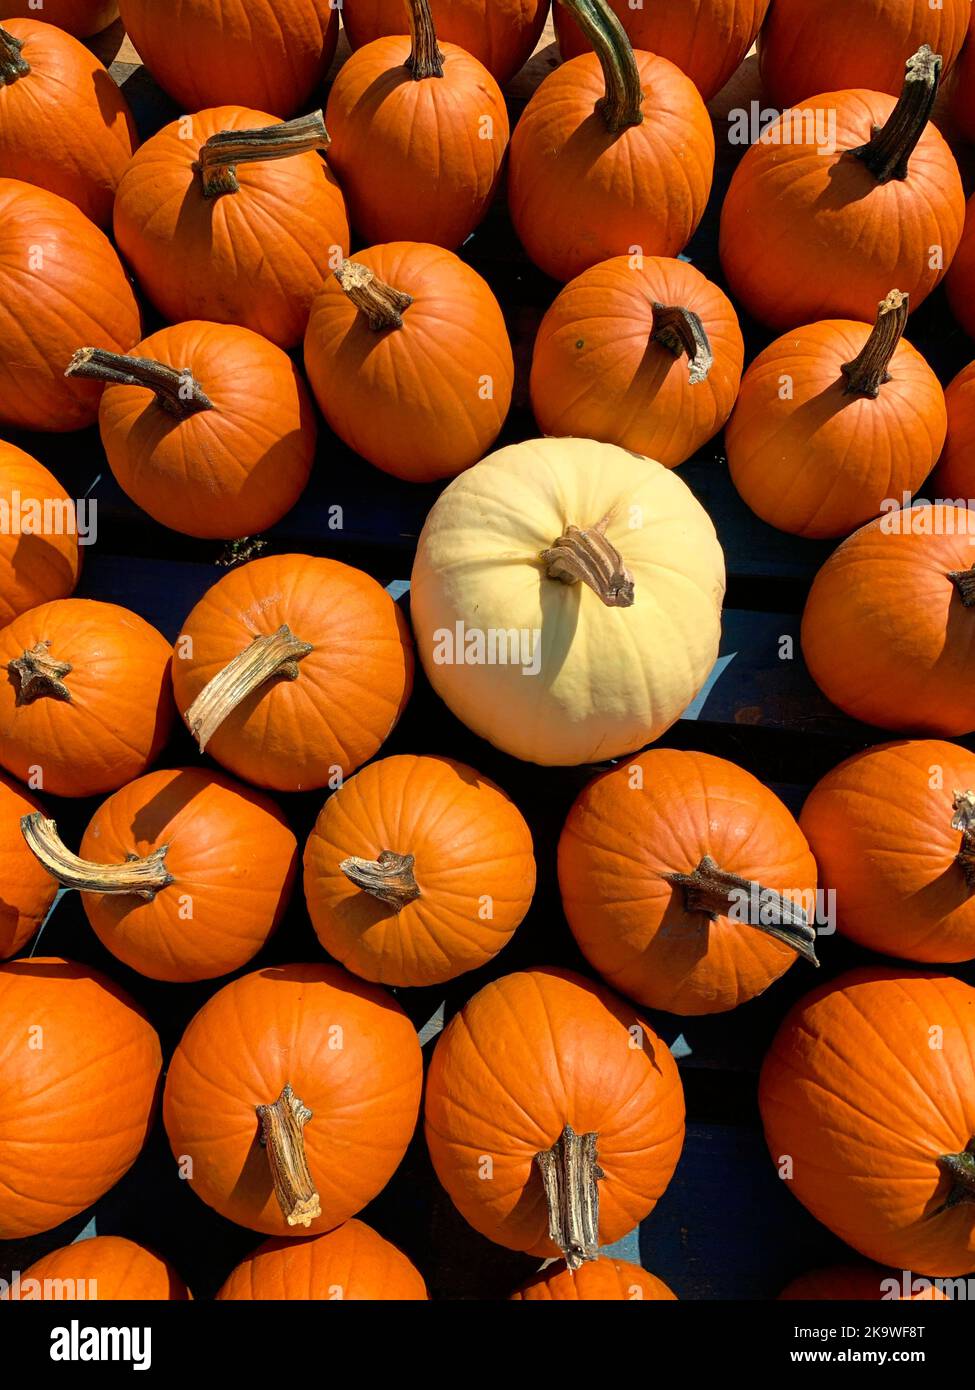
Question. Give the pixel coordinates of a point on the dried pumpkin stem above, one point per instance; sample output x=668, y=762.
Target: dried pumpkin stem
x=382, y=305
x=219, y=157
x=680, y=330
x=12, y=65
x=869, y=370
x=177, y=390
x=718, y=894
x=964, y=582
x=587, y=556
x=888, y=152
x=388, y=878
x=37, y=676
x=961, y=1169
x=622, y=105
x=425, y=58
x=570, y=1174
x=963, y=805
x=282, y=1134
x=142, y=877
x=274, y=657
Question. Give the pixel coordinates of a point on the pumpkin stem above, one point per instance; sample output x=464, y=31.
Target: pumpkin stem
x=38, y=676
x=681, y=331
x=570, y=1173
x=961, y=1169
x=12, y=65
x=219, y=157
x=963, y=805
x=889, y=149
x=282, y=1126
x=264, y=659
x=590, y=557
x=177, y=391
x=425, y=58
x=388, y=878
x=718, y=894
x=964, y=582
x=622, y=105
x=382, y=305
x=869, y=369
x=142, y=877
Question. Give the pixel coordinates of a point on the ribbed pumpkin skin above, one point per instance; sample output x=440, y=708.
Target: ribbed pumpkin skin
x=412, y=400
x=579, y=194
x=963, y=93
x=821, y=463
x=26, y=890
x=278, y=1026
x=474, y=868
x=597, y=373
x=955, y=477
x=858, y=1282
x=60, y=276
x=352, y=1263
x=233, y=858
x=659, y=814
x=603, y=1280
x=78, y=17
x=960, y=284
x=34, y=566
x=807, y=235
x=529, y=1054
x=858, y=1093
x=885, y=634
x=121, y=705
x=883, y=840
x=232, y=471
x=256, y=257
x=110, y=1268
x=76, y=1099
x=270, y=54
x=350, y=691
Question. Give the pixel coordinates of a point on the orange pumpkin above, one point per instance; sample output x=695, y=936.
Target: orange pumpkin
x=61, y=284
x=408, y=355
x=644, y=353
x=857, y=1282
x=955, y=477
x=184, y=874
x=294, y=1091
x=292, y=671
x=832, y=421
x=78, y=17
x=419, y=132
x=86, y=705
x=963, y=92
x=868, y=1099
x=563, y=1098
x=104, y=1268
x=351, y=1263
x=960, y=284
x=26, y=890
x=417, y=870
x=687, y=884
x=237, y=222
x=39, y=555
x=604, y=1280
x=224, y=443
x=74, y=1039
x=271, y=54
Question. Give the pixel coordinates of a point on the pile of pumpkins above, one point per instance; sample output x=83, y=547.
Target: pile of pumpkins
x=553, y=1114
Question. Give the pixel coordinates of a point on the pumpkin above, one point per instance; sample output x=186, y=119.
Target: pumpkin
x=39, y=554
x=554, y=1116
x=104, y=1268
x=79, y=17
x=26, y=890
x=86, y=705
x=501, y=34
x=868, y=1100
x=293, y=670
x=566, y=599
x=223, y=443
x=631, y=176
x=233, y=217
x=707, y=39
x=886, y=631
x=963, y=92
x=603, y=1280
x=806, y=47
x=686, y=883
x=408, y=356
x=856, y=1282
x=270, y=54
x=350, y=1263
x=833, y=420
x=841, y=201
x=184, y=874
x=960, y=284
x=955, y=477
x=419, y=131
x=61, y=284
x=644, y=353
x=417, y=870
x=71, y=1037
x=294, y=1092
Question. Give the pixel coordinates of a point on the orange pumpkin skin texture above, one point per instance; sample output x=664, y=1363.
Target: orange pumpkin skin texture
x=256, y=257
x=106, y=1268
x=26, y=890
x=270, y=54
x=628, y=831
x=955, y=477
x=603, y=1281
x=60, y=276
x=858, y=1282
x=598, y=372
x=292, y=735
x=411, y=398
x=120, y=708
x=885, y=633
x=40, y=564
x=350, y=1055
x=472, y=849
x=855, y=1092
x=78, y=17
x=351, y=1263
x=530, y=1054
x=960, y=285
x=96, y=1074
x=232, y=471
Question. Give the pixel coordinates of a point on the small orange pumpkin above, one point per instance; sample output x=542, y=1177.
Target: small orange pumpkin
x=78, y=17
x=104, y=1268
x=26, y=891
x=39, y=555
x=960, y=284
x=955, y=477
x=604, y=1280
x=351, y=1263
x=856, y=1282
